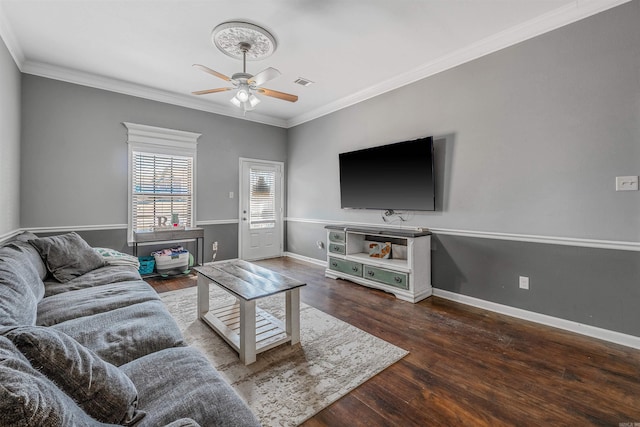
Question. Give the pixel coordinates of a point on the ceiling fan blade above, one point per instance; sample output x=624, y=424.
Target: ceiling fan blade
x=264, y=76
x=212, y=72
x=276, y=94
x=204, y=92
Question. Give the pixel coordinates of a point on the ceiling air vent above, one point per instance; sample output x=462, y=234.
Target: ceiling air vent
x=302, y=81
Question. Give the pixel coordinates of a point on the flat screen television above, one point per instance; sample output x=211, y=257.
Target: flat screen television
x=396, y=176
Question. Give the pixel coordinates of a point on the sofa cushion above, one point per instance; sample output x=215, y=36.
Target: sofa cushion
x=28, y=398
x=201, y=393
x=28, y=271
x=98, y=277
x=101, y=389
x=89, y=301
x=127, y=333
x=67, y=256
x=18, y=304
x=31, y=254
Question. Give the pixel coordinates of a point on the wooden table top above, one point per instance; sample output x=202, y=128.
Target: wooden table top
x=246, y=280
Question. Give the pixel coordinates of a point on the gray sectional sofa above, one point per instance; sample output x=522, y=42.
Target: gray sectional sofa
x=85, y=343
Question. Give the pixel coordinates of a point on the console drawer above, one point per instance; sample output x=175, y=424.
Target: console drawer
x=336, y=248
x=337, y=236
x=344, y=266
x=388, y=277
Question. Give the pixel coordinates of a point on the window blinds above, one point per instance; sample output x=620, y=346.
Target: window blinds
x=262, y=199
x=162, y=186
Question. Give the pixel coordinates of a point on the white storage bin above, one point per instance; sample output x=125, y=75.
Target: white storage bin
x=176, y=263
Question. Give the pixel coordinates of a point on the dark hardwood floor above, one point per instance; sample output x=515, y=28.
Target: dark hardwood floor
x=467, y=366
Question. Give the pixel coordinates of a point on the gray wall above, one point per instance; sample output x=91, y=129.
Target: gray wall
x=74, y=155
x=534, y=136
x=9, y=143
x=529, y=141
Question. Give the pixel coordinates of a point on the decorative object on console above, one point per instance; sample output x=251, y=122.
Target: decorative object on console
x=243, y=40
x=379, y=249
x=162, y=224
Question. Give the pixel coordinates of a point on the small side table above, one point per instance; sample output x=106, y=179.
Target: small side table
x=189, y=234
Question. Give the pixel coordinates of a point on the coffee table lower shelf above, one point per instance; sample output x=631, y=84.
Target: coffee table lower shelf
x=269, y=331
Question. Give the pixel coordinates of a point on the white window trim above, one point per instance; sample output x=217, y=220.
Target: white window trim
x=158, y=140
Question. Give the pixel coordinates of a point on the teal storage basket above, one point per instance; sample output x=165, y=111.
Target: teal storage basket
x=147, y=264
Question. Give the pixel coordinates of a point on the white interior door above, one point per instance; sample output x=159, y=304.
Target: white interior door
x=261, y=230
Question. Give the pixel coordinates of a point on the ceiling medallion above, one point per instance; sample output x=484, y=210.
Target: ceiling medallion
x=231, y=36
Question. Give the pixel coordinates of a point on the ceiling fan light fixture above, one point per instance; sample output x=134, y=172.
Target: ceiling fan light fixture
x=253, y=101
x=243, y=94
x=245, y=41
x=235, y=101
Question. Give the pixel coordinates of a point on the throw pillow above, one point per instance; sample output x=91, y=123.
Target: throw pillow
x=100, y=388
x=67, y=256
x=28, y=398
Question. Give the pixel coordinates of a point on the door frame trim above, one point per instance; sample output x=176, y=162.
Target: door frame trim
x=241, y=162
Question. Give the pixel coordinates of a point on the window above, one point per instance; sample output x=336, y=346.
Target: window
x=162, y=187
x=161, y=177
x=262, y=212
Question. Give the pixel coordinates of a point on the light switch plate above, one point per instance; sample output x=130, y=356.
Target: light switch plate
x=626, y=183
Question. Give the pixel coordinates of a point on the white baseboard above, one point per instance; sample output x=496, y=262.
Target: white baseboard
x=10, y=235
x=543, y=319
x=567, y=325
x=321, y=263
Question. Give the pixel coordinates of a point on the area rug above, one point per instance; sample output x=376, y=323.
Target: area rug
x=288, y=384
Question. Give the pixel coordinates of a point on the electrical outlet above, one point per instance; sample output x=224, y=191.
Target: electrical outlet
x=524, y=282
x=231, y=194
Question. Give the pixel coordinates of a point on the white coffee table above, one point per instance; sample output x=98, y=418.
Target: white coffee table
x=246, y=328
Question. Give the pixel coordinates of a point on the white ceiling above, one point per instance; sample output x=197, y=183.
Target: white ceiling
x=351, y=49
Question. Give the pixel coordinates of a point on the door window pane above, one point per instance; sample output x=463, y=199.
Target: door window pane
x=262, y=199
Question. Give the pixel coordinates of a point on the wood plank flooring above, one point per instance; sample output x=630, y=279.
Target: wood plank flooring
x=467, y=366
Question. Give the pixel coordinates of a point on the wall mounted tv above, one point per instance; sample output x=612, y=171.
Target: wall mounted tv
x=395, y=176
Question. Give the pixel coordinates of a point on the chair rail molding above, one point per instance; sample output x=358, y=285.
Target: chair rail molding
x=530, y=238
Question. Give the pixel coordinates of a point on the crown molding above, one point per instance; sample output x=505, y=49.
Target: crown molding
x=577, y=10
x=119, y=86
x=7, y=35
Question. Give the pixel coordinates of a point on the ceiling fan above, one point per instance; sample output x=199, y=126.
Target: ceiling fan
x=247, y=85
